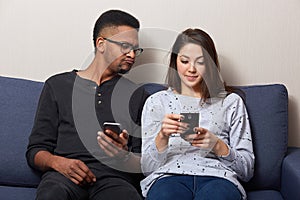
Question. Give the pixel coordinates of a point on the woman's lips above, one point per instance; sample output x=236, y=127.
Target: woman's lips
x=191, y=78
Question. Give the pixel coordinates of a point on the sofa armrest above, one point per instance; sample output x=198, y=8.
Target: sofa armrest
x=290, y=180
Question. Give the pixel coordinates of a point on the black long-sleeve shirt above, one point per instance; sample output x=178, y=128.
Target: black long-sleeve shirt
x=70, y=112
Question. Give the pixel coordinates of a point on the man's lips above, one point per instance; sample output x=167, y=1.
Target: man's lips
x=129, y=61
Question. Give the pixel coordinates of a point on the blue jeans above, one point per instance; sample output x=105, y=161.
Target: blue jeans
x=187, y=187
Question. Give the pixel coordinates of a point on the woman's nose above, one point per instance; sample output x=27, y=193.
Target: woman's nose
x=192, y=67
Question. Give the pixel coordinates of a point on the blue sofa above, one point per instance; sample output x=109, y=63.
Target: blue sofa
x=277, y=168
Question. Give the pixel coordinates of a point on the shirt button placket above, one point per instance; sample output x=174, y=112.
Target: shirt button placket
x=99, y=95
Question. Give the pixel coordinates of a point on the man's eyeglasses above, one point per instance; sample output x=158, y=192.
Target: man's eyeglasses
x=126, y=47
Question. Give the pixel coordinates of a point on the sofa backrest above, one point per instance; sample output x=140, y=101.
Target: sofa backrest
x=267, y=107
x=18, y=102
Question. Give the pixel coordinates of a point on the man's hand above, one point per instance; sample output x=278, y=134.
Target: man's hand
x=73, y=169
x=113, y=144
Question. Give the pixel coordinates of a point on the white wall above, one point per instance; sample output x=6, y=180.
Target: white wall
x=258, y=41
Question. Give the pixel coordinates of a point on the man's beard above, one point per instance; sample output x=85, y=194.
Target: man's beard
x=124, y=71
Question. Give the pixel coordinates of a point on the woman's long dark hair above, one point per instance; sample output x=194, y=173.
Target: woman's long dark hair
x=212, y=84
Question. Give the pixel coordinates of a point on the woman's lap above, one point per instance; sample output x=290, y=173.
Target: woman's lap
x=193, y=187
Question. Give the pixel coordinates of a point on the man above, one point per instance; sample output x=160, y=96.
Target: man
x=58, y=145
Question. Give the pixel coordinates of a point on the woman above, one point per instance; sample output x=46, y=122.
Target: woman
x=202, y=162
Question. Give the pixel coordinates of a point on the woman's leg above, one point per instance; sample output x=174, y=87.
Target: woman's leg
x=172, y=188
x=213, y=188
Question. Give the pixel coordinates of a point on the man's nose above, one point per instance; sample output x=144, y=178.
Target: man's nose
x=131, y=53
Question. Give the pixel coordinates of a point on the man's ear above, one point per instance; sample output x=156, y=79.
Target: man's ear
x=100, y=44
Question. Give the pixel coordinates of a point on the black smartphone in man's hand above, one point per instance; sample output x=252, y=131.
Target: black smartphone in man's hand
x=113, y=126
x=192, y=119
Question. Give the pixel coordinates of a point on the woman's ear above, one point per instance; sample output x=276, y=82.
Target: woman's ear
x=100, y=44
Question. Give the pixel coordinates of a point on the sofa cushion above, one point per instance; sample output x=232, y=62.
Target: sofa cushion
x=291, y=174
x=264, y=195
x=14, y=193
x=19, y=100
x=267, y=106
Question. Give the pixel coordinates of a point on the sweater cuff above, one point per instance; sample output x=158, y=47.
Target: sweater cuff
x=30, y=155
x=156, y=155
x=228, y=159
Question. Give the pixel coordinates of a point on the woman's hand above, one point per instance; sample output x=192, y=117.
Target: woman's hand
x=203, y=138
x=170, y=124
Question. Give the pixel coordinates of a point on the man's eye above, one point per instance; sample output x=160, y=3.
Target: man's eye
x=126, y=46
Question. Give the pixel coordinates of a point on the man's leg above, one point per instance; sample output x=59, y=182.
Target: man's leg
x=56, y=186
x=113, y=189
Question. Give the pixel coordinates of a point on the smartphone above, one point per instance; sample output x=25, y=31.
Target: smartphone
x=113, y=126
x=192, y=119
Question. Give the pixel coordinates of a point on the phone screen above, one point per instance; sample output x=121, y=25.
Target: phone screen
x=192, y=119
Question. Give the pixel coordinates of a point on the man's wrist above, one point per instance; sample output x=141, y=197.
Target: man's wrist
x=127, y=156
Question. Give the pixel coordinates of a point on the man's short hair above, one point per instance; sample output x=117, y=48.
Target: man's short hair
x=113, y=18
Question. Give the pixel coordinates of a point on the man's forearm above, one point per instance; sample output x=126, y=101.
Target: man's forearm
x=43, y=160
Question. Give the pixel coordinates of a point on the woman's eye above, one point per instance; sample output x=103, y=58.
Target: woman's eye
x=184, y=61
x=200, y=63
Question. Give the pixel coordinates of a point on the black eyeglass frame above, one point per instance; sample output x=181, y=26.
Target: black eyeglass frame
x=126, y=45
